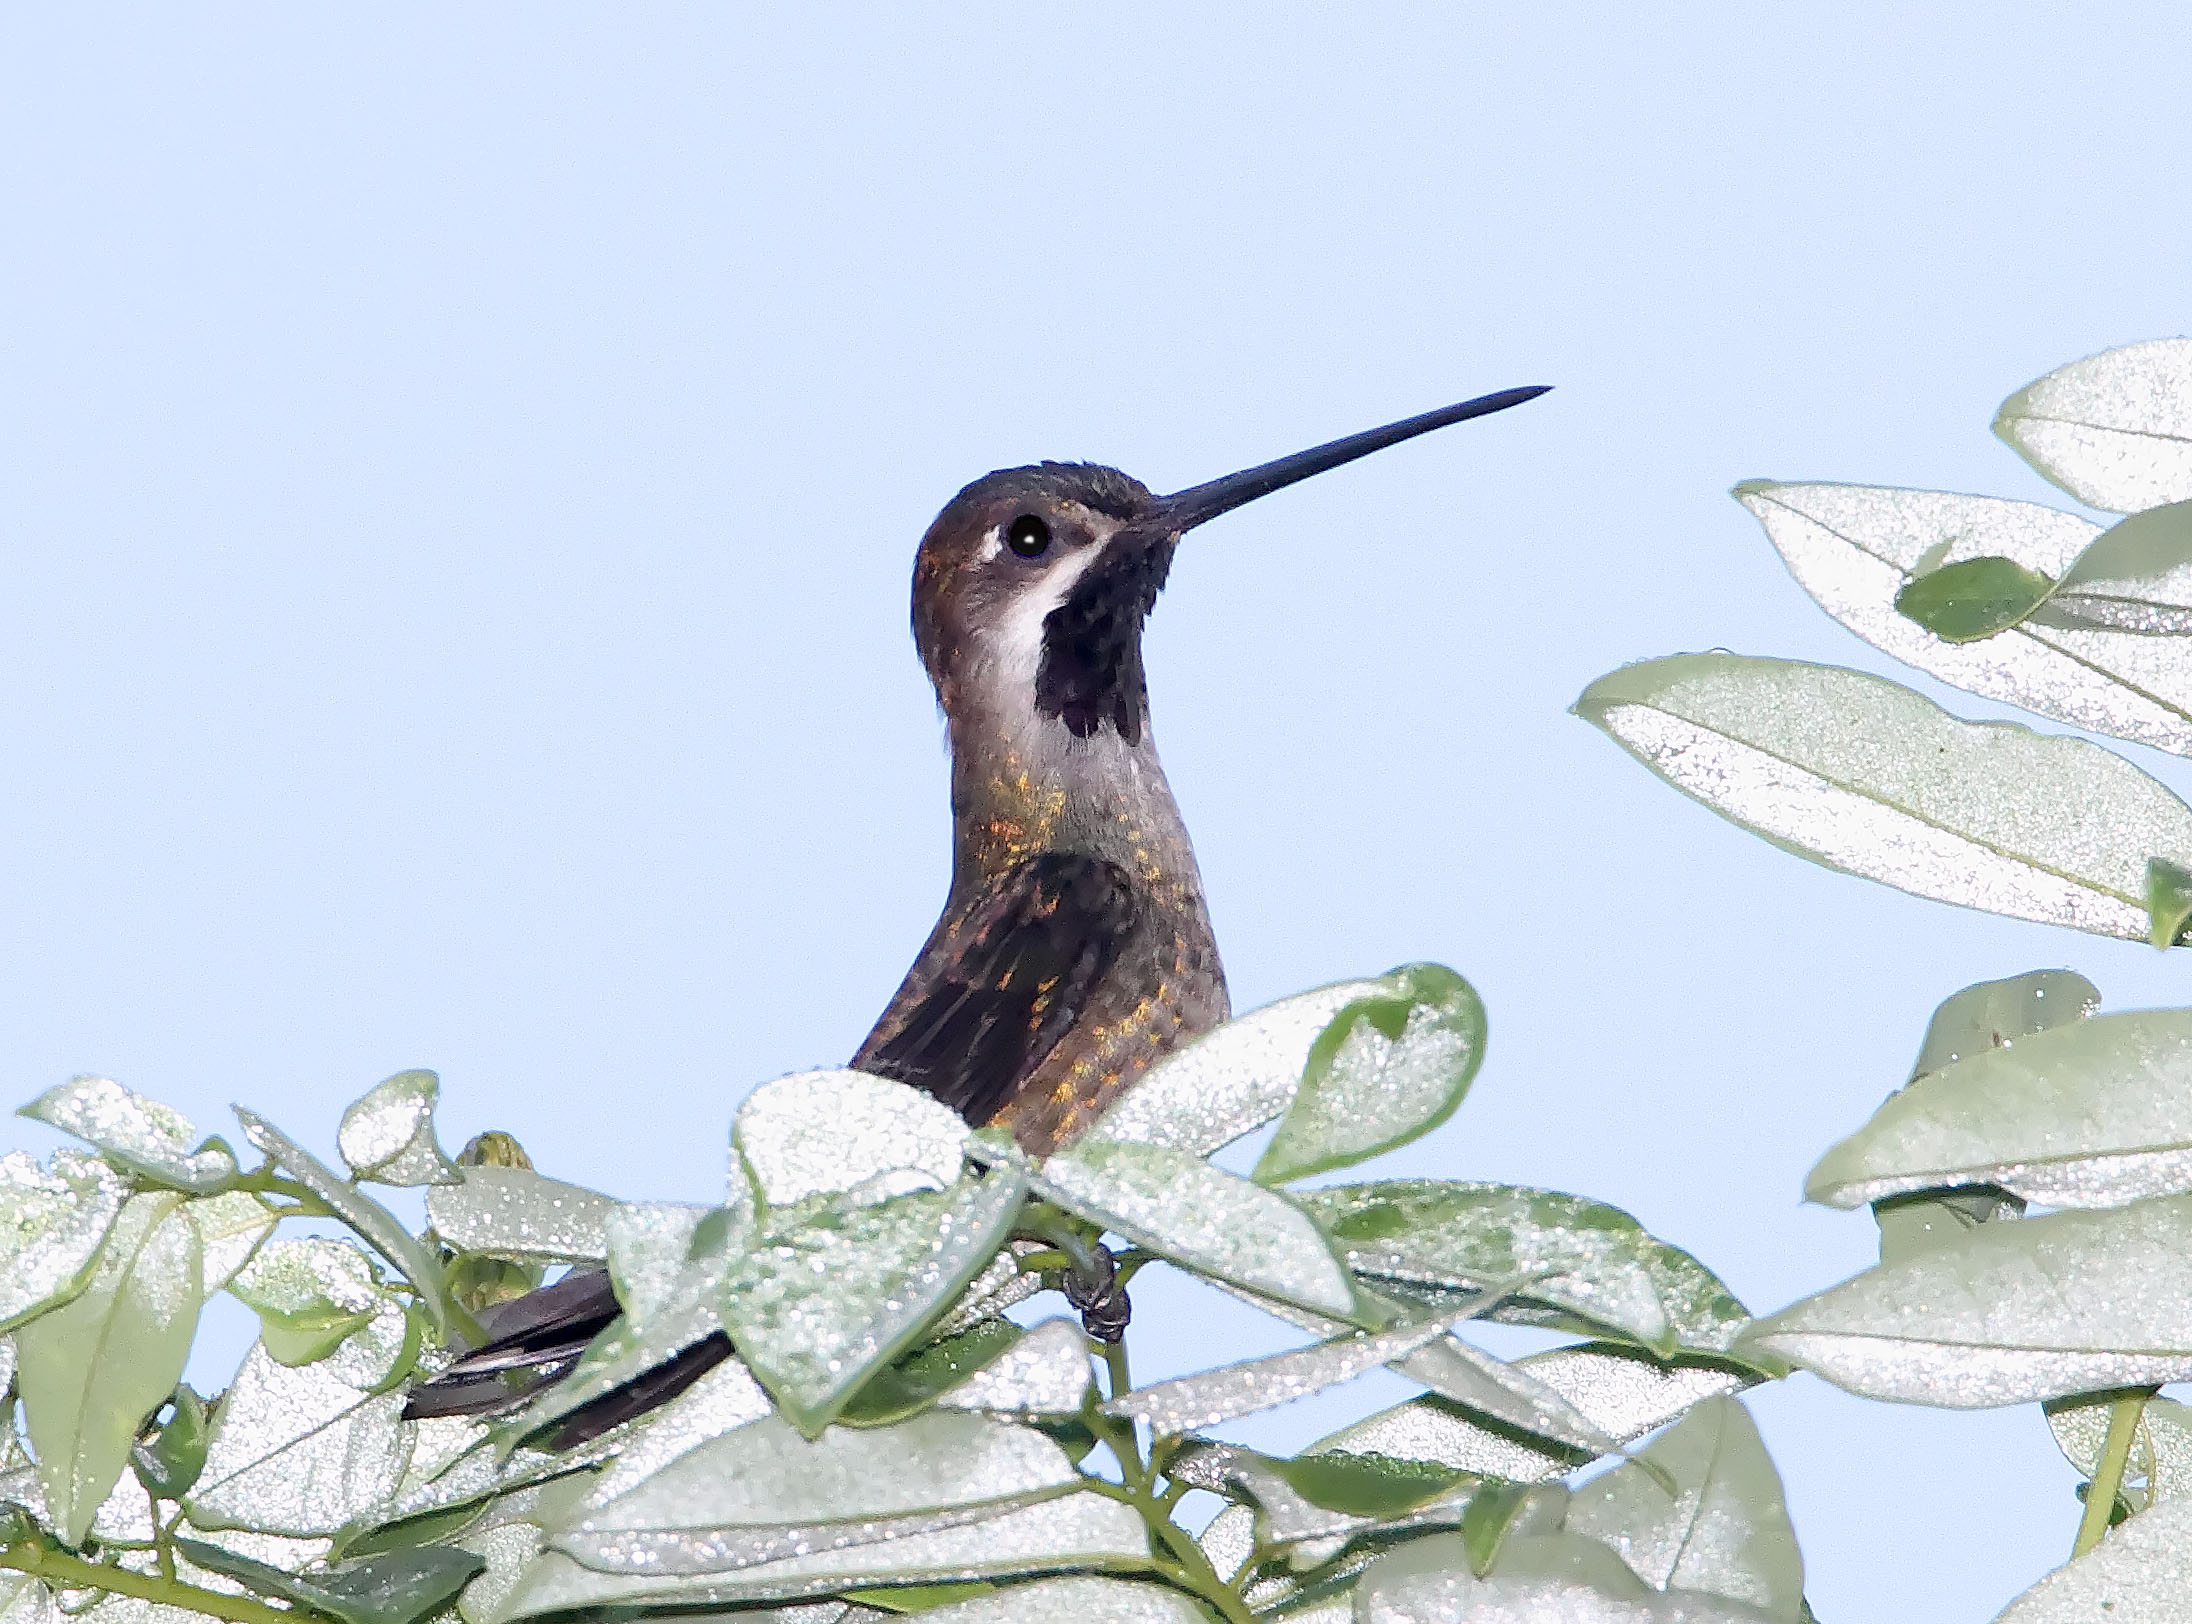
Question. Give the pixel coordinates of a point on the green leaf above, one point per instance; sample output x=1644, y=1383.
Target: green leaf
x=1992, y=1015
x=834, y=1290
x=1852, y=547
x=764, y=1492
x=1701, y=1509
x=513, y=1212
x=921, y=1377
x=372, y=1221
x=152, y=1140
x=388, y=1134
x=1069, y=1599
x=1388, y=1069
x=2007, y=1314
x=2095, y=1113
x=2135, y=578
x=51, y=1224
x=1587, y=1261
x=1621, y=1392
x=2114, y=430
x=1486, y=1520
x=1045, y=1377
x=91, y=1370
x=2168, y=901
x=399, y=1587
x=1367, y=1484
x=230, y=1227
x=298, y=1451
x=1202, y=1218
x=1858, y=774
x=2161, y=1450
x=1191, y=1403
x=1973, y=599
x=826, y=1132
x=1234, y=1079
x=311, y=1297
x=169, y=1462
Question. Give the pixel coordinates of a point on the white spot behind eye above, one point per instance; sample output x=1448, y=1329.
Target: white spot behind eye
x=993, y=543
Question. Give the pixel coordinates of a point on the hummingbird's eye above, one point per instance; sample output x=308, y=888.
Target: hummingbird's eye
x=1028, y=537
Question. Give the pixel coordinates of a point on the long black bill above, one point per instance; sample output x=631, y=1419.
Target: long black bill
x=1183, y=510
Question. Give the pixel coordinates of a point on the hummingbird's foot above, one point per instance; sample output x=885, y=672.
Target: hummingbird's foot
x=1093, y=1287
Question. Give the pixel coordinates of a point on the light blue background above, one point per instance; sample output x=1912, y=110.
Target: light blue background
x=461, y=466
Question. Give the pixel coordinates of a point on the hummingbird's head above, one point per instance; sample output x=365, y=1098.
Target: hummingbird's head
x=1030, y=589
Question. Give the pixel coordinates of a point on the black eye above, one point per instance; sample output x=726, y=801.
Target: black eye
x=1028, y=536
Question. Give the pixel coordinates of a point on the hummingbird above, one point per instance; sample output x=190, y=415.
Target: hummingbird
x=1074, y=949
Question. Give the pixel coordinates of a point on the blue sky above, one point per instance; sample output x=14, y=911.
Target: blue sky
x=462, y=468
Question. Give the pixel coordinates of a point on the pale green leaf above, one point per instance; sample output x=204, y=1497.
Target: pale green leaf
x=93, y=1369
x=845, y=1132
x=2136, y=577
x=1574, y=1256
x=1386, y=1070
x=1202, y=1218
x=2140, y=1573
x=1234, y=1079
x=1536, y=1578
x=1190, y=1403
x=388, y=1135
x=765, y=1492
x=51, y=1224
x=1073, y=1531
x=372, y=1221
x=2161, y=1449
x=2114, y=430
x=1862, y=775
x=1045, y=1372
x=1071, y=1599
x=2009, y=1313
x=2168, y=901
x=144, y=1137
x=1619, y=1391
x=834, y=1289
x=1703, y=1511
x=650, y=1246
x=299, y=1451
x=398, y=1587
x=2087, y=1115
x=1990, y=1015
x=514, y=1212
x=230, y=1227
x=314, y=1298
x=24, y=1600
x=1853, y=547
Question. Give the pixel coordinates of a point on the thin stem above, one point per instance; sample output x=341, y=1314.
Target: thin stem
x=1115, y=1369
x=58, y=1568
x=2108, y=1476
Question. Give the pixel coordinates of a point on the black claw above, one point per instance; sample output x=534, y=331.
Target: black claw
x=1095, y=1290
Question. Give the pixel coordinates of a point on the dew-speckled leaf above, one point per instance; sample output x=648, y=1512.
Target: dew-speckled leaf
x=1190, y=1403
x=230, y=1228
x=1862, y=775
x=397, y=1587
x=1724, y=1529
x=1045, y=1372
x=2168, y=902
x=765, y=1492
x=918, y=1379
x=2009, y=1313
x=2161, y=1449
x=650, y=1243
x=1990, y=1015
x=309, y=1295
x=1202, y=1218
x=514, y=1212
x=1973, y=598
x=1577, y=1257
x=1069, y=1599
x=2140, y=1573
x=835, y=1287
x=299, y=1451
x=1386, y=1069
x=51, y=1224
x=373, y=1222
x=24, y=1600
x=1536, y=1578
x=1852, y=547
x=2113, y=429
x=92, y=1370
x=1621, y=1392
x=2092, y=1114
x=1234, y=1079
x=2136, y=577
x=388, y=1134
x=154, y=1141
x=1365, y=1483
x=1073, y=1531
x=722, y=1401
x=832, y=1132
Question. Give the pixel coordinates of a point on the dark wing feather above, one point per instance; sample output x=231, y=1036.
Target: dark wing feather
x=1003, y=978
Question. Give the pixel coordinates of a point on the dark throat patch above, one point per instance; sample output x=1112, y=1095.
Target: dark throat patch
x=1091, y=670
